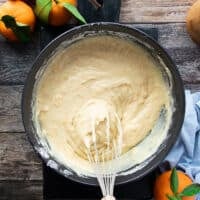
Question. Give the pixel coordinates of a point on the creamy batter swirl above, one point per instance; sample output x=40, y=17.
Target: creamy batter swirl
x=97, y=78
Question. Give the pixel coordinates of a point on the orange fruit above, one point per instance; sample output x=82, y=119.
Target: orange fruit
x=193, y=22
x=59, y=15
x=22, y=13
x=162, y=185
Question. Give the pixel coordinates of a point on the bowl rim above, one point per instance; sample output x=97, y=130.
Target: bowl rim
x=133, y=32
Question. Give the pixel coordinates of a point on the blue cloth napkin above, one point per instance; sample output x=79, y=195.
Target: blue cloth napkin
x=185, y=154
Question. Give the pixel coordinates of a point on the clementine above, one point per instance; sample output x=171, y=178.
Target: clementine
x=21, y=12
x=193, y=22
x=162, y=185
x=59, y=15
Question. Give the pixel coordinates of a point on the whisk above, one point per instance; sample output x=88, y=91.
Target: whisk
x=101, y=159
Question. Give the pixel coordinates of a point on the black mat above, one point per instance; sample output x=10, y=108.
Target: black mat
x=109, y=11
x=58, y=187
x=55, y=185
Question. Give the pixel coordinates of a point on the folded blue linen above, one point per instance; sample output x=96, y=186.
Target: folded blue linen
x=185, y=154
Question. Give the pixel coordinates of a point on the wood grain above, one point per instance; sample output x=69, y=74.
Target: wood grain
x=18, y=161
x=17, y=59
x=16, y=151
x=185, y=54
x=18, y=190
x=10, y=109
x=148, y=11
x=20, y=168
x=13, y=122
x=173, y=37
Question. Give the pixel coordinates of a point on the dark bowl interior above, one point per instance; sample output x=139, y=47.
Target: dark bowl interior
x=111, y=29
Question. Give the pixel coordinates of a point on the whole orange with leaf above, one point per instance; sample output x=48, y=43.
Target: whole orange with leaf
x=59, y=15
x=193, y=22
x=175, y=185
x=57, y=12
x=17, y=17
x=17, y=20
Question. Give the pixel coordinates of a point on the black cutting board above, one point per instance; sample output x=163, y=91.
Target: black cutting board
x=56, y=186
x=109, y=10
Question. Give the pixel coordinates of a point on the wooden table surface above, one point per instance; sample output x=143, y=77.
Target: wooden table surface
x=20, y=168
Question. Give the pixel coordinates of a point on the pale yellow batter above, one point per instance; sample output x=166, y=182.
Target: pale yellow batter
x=93, y=79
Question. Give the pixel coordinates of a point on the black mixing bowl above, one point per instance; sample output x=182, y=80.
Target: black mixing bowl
x=109, y=29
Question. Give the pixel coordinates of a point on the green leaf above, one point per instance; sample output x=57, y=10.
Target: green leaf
x=178, y=197
x=74, y=11
x=171, y=197
x=42, y=10
x=22, y=31
x=191, y=190
x=174, y=181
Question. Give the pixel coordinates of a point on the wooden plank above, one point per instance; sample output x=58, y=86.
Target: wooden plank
x=10, y=99
x=185, y=54
x=18, y=190
x=17, y=59
x=173, y=37
x=10, y=109
x=153, y=10
x=150, y=11
x=18, y=161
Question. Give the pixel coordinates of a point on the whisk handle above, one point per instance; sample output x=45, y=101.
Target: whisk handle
x=108, y=198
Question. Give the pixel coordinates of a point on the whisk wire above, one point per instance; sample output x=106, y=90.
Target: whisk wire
x=101, y=159
x=103, y=162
